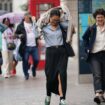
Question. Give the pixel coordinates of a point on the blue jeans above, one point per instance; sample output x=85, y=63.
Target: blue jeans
x=33, y=51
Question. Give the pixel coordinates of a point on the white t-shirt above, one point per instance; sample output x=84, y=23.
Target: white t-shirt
x=7, y=37
x=99, y=44
x=30, y=34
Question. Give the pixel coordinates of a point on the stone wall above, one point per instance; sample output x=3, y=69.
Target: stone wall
x=73, y=6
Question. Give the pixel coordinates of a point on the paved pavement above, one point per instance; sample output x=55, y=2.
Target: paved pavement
x=17, y=91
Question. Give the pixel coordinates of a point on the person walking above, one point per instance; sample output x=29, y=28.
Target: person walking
x=56, y=58
x=7, y=44
x=1, y=59
x=94, y=42
x=27, y=33
x=1, y=62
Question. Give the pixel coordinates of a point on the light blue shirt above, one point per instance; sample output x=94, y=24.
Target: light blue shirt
x=53, y=37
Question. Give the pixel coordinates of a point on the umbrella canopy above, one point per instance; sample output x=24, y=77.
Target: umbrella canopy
x=14, y=17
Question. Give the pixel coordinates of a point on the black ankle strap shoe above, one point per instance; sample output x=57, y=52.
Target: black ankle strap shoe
x=97, y=100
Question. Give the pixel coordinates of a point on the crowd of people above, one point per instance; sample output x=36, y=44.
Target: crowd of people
x=55, y=26
x=23, y=42
x=25, y=36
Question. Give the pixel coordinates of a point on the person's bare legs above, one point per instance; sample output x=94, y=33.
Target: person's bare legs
x=60, y=86
x=62, y=98
x=13, y=72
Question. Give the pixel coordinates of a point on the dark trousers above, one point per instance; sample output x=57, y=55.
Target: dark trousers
x=0, y=70
x=97, y=62
x=56, y=64
x=33, y=51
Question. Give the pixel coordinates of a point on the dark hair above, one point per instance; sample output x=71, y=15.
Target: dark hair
x=5, y=19
x=59, y=8
x=100, y=11
x=27, y=14
x=55, y=12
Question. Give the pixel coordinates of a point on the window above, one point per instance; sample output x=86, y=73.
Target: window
x=98, y=4
x=10, y=7
x=44, y=7
x=6, y=5
x=0, y=6
x=85, y=6
x=41, y=8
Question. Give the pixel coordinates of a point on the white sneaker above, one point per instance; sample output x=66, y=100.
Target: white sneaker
x=47, y=100
x=63, y=102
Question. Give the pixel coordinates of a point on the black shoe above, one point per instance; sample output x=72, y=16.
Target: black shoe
x=102, y=99
x=27, y=77
x=97, y=100
x=34, y=73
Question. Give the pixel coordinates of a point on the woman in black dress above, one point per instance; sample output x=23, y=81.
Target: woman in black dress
x=56, y=58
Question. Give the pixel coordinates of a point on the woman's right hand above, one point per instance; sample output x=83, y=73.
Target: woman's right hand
x=21, y=36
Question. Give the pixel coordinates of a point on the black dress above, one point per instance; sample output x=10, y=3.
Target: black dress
x=56, y=63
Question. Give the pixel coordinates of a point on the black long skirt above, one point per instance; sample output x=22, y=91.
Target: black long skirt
x=56, y=64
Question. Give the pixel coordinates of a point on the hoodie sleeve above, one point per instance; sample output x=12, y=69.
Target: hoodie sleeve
x=86, y=37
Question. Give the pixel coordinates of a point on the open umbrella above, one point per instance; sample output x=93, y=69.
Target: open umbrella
x=14, y=17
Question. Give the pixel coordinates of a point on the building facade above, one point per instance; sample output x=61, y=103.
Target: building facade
x=19, y=5
x=13, y=5
x=37, y=7
x=6, y=5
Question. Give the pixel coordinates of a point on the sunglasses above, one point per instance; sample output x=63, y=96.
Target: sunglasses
x=56, y=21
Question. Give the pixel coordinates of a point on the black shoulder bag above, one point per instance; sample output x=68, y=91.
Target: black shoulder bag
x=11, y=46
x=68, y=47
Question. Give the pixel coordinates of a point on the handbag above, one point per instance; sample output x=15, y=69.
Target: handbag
x=69, y=50
x=68, y=47
x=11, y=46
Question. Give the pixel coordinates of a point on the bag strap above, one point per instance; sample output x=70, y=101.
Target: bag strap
x=64, y=33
